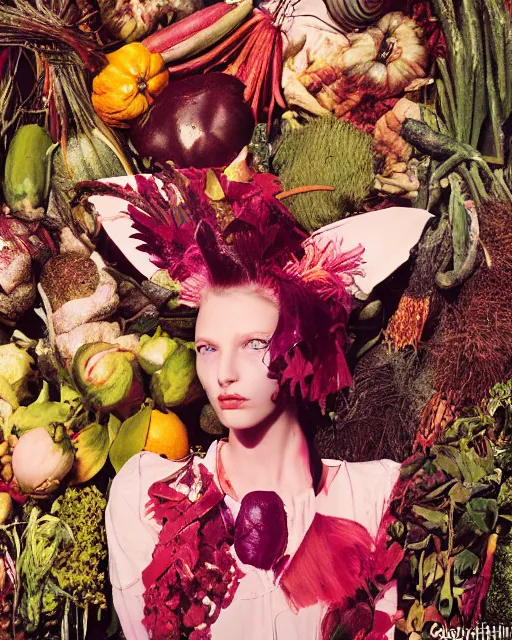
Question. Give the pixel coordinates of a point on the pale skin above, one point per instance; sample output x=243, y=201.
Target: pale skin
x=266, y=449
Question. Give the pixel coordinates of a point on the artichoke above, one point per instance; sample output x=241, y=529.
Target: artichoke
x=176, y=382
x=154, y=351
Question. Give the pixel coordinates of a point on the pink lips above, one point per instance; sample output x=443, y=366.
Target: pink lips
x=231, y=401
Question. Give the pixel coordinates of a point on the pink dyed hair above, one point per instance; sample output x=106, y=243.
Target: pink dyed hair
x=262, y=246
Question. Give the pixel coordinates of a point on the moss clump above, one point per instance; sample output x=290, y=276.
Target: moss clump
x=498, y=603
x=69, y=276
x=328, y=152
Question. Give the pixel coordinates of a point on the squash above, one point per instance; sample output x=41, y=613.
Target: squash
x=26, y=175
x=129, y=83
x=385, y=59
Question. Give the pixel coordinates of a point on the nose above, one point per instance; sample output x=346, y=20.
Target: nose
x=227, y=372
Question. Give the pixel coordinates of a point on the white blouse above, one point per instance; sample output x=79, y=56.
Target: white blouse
x=353, y=490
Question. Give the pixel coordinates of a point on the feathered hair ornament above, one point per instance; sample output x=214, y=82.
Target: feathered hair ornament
x=254, y=241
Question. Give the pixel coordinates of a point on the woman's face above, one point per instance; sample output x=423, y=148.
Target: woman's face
x=233, y=330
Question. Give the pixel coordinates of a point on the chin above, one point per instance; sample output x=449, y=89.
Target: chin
x=241, y=421
x=244, y=419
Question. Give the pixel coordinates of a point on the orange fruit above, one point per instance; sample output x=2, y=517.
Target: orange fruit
x=167, y=435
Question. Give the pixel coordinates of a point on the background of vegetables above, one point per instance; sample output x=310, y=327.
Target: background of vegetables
x=379, y=103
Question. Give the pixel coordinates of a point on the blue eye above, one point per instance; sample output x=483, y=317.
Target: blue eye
x=257, y=344
x=205, y=348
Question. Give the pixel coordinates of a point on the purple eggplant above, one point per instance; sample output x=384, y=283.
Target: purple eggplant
x=200, y=121
x=261, y=532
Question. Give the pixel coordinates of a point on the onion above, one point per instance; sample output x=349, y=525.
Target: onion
x=40, y=461
x=201, y=121
x=261, y=531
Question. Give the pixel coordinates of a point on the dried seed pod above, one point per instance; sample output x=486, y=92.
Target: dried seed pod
x=6, y=472
x=12, y=440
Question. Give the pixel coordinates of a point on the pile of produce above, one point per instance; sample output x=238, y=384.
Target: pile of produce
x=149, y=112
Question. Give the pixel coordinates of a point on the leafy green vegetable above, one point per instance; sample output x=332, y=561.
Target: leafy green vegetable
x=44, y=537
x=331, y=152
x=450, y=499
x=483, y=513
x=465, y=566
x=77, y=569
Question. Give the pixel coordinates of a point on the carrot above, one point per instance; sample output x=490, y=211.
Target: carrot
x=277, y=71
x=307, y=189
x=199, y=63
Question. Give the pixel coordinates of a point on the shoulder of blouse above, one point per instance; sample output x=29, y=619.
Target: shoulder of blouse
x=359, y=490
x=132, y=482
x=374, y=471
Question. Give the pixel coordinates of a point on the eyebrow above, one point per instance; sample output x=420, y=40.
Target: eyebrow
x=243, y=336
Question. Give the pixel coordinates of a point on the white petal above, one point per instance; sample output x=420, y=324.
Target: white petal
x=113, y=216
x=387, y=235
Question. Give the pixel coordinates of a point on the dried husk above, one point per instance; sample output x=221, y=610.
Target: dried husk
x=472, y=348
x=380, y=416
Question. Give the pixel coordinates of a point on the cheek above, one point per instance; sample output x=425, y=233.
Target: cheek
x=205, y=372
x=265, y=388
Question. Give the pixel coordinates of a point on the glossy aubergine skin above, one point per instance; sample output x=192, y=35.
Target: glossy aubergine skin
x=200, y=121
x=261, y=531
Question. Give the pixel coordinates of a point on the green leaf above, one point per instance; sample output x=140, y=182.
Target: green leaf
x=448, y=460
x=413, y=563
x=439, y=490
x=459, y=223
x=114, y=424
x=40, y=414
x=416, y=617
x=396, y=530
x=7, y=393
x=69, y=395
x=465, y=565
x=131, y=438
x=446, y=595
x=92, y=445
x=430, y=569
x=483, y=513
x=422, y=544
x=459, y=493
x=505, y=517
x=410, y=469
x=433, y=519
x=472, y=466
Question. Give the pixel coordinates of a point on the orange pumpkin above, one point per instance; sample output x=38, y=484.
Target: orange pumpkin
x=129, y=83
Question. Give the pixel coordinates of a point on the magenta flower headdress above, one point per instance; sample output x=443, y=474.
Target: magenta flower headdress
x=258, y=244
